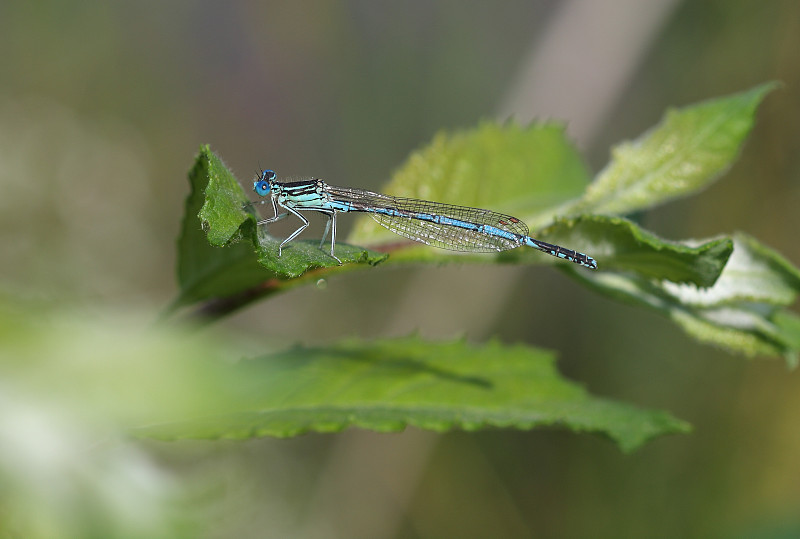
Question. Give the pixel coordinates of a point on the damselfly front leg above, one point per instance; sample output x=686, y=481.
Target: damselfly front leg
x=275, y=216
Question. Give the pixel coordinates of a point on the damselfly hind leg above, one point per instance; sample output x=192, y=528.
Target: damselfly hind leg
x=330, y=226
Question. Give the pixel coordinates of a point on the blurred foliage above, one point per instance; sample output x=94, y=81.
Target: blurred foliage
x=71, y=382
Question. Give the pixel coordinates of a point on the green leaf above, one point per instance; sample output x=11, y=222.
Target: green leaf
x=221, y=251
x=754, y=274
x=386, y=386
x=788, y=325
x=299, y=257
x=741, y=312
x=524, y=171
x=685, y=153
x=169, y=383
x=204, y=269
x=222, y=216
x=624, y=247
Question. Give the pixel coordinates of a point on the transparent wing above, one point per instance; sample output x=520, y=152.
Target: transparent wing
x=442, y=225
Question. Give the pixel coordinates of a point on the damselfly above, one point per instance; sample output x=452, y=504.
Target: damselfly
x=458, y=228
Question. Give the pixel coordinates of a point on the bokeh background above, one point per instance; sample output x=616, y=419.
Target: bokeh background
x=104, y=105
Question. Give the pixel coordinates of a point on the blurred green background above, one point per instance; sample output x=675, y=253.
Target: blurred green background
x=103, y=107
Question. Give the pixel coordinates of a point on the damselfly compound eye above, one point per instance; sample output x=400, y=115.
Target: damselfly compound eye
x=261, y=187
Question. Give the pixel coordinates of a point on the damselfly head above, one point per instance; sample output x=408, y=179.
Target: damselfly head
x=263, y=185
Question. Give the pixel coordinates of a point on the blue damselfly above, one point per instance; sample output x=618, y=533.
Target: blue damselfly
x=458, y=228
